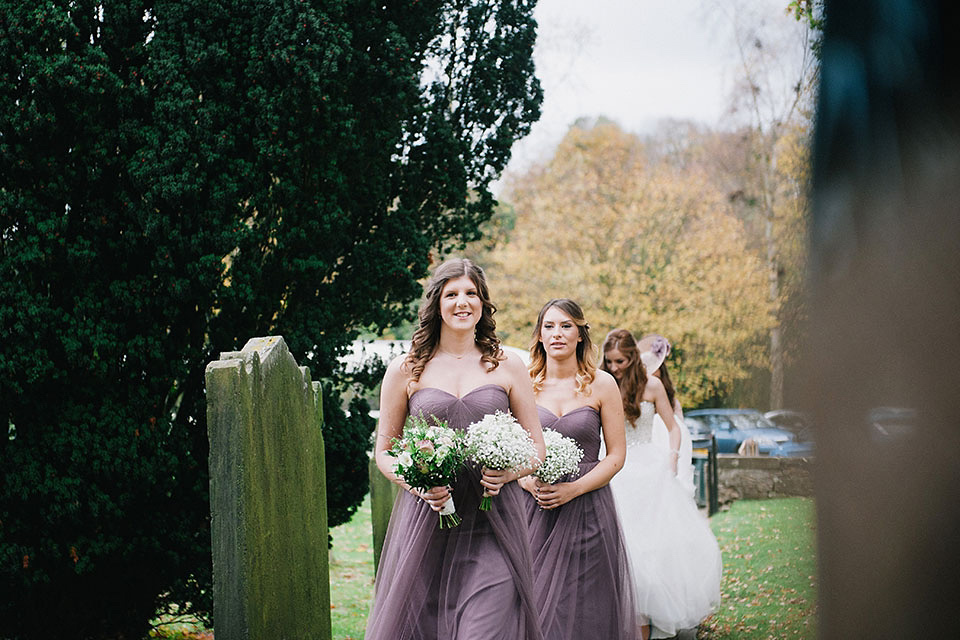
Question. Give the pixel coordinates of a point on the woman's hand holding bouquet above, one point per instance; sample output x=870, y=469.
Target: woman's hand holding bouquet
x=562, y=459
x=500, y=445
x=428, y=456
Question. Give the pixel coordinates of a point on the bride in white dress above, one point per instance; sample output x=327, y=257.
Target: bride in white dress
x=673, y=553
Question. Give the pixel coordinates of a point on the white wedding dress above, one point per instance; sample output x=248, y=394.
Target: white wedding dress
x=673, y=553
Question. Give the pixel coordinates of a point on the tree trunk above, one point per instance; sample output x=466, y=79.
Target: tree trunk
x=776, y=369
x=773, y=275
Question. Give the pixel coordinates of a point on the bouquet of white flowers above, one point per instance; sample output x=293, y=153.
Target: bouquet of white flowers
x=428, y=455
x=498, y=441
x=562, y=458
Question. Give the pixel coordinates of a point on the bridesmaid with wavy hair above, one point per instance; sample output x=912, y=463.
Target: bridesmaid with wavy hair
x=581, y=575
x=475, y=580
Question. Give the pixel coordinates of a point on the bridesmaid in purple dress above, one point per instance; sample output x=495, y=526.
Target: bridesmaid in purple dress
x=474, y=581
x=581, y=577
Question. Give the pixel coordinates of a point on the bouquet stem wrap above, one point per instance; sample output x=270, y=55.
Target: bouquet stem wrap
x=486, y=501
x=448, y=515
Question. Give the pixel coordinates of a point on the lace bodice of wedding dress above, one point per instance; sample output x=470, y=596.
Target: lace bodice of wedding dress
x=642, y=431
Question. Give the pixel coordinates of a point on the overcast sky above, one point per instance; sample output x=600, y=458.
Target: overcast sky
x=634, y=61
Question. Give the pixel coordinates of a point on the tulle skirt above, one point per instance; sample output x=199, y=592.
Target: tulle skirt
x=674, y=556
x=582, y=578
x=471, y=582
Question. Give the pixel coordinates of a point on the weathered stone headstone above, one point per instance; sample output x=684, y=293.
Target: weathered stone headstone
x=267, y=496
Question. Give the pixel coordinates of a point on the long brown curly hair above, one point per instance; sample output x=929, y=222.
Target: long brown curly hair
x=426, y=338
x=633, y=382
x=586, y=360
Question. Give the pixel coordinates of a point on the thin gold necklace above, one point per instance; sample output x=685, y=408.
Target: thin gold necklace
x=458, y=357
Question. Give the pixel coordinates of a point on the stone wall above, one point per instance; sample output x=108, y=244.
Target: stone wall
x=267, y=496
x=757, y=477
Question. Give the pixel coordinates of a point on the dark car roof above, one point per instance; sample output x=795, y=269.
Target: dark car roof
x=721, y=412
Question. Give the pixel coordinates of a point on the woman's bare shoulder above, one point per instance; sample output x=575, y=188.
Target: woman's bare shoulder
x=654, y=384
x=512, y=363
x=399, y=367
x=513, y=369
x=605, y=386
x=654, y=391
x=604, y=380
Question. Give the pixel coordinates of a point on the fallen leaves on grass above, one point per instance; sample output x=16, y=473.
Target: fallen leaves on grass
x=768, y=588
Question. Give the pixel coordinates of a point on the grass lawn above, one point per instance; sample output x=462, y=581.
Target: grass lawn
x=769, y=571
x=351, y=575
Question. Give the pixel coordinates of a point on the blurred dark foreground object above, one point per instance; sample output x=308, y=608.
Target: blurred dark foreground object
x=885, y=313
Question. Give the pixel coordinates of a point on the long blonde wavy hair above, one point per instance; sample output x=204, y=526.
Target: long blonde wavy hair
x=586, y=358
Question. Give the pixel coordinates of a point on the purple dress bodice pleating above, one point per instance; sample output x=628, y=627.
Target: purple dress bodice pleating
x=582, y=424
x=471, y=582
x=460, y=412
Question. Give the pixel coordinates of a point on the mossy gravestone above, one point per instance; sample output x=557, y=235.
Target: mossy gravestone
x=267, y=496
x=383, y=494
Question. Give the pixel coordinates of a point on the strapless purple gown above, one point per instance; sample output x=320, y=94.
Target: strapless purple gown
x=471, y=582
x=582, y=579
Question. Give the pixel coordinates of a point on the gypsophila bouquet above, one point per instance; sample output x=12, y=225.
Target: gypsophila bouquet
x=429, y=455
x=562, y=458
x=498, y=441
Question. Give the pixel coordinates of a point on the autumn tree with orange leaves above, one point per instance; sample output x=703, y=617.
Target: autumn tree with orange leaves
x=642, y=241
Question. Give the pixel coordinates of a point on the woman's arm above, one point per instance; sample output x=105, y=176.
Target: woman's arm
x=614, y=439
x=662, y=403
x=393, y=415
x=523, y=405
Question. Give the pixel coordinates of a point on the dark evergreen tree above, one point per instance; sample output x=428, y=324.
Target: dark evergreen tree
x=177, y=176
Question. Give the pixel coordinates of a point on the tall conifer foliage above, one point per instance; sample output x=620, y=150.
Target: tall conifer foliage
x=177, y=176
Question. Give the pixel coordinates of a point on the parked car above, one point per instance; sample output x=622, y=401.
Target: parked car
x=700, y=435
x=796, y=422
x=732, y=427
